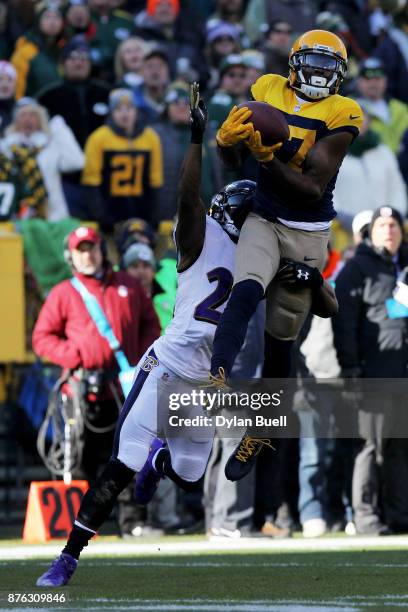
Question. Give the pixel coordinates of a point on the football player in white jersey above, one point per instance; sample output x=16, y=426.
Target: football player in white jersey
x=206, y=251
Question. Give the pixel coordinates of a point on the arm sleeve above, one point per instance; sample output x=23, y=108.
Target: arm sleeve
x=349, y=293
x=149, y=324
x=92, y=173
x=347, y=117
x=156, y=162
x=49, y=339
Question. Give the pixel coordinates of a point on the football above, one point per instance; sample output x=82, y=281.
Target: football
x=269, y=121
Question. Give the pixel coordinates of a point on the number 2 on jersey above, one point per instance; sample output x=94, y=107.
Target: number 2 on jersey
x=207, y=309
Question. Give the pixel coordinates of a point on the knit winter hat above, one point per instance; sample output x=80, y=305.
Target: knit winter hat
x=152, y=6
x=120, y=96
x=139, y=252
x=387, y=211
x=47, y=5
x=178, y=90
x=77, y=43
x=372, y=67
x=220, y=29
x=254, y=59
x=230, y=61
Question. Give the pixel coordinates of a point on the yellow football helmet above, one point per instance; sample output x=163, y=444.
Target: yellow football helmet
x=318, y=64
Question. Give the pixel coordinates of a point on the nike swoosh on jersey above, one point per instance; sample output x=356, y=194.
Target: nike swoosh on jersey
x=309, y=259
x=354, y=116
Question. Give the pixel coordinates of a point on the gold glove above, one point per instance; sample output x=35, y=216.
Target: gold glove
x=234, y=130
x=262, y=153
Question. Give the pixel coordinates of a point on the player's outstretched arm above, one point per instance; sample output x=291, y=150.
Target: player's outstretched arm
x=190, y=231
x=321, y=164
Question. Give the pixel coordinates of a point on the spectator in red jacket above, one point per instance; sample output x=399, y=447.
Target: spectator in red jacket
x=66, y=335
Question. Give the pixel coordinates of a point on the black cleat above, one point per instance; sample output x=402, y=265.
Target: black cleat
x=244, y=456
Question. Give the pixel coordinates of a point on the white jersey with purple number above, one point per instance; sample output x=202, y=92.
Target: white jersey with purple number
x=202, y=294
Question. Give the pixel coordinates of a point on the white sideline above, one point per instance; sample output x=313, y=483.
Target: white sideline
x=174, y=547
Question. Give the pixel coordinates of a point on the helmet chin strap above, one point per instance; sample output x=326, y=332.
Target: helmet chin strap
x=318, y=87
x=316, y=93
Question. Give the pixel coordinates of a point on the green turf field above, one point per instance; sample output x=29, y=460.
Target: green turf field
x=239, y=581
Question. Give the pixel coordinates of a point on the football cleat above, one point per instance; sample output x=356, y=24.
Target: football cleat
x=148, y=478
x=59, y=573
x=243, y=458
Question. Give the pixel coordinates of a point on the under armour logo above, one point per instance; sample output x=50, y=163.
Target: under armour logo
x=149, y=363
x=301, y=275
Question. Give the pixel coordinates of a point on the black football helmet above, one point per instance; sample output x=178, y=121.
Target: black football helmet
x=230, y=206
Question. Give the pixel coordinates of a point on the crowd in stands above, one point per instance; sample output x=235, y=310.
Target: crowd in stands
x=94, y=124
x=73, y=60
